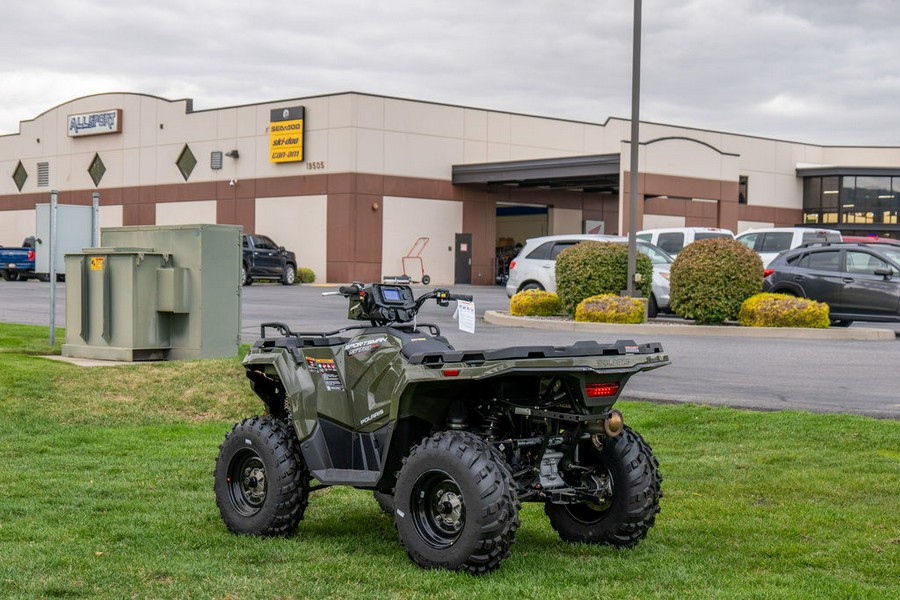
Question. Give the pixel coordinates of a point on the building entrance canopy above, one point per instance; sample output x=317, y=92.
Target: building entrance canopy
x=594, y=173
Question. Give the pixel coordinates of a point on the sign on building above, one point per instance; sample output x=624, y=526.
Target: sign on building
x=95, y=123
x=286, y=134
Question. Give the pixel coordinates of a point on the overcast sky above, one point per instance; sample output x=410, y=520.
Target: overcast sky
x=818, y=71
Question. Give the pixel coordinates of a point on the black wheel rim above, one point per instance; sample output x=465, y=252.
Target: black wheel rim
x=590, y=513
x=438, y=509
x=247, y=482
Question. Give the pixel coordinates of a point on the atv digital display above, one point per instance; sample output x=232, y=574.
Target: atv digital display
x=393, y=295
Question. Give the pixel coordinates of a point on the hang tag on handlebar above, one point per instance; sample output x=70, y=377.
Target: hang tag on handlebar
x=465, y=312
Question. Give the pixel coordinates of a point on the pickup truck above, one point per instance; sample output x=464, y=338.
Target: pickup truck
x=264, y=259
x=18, y=263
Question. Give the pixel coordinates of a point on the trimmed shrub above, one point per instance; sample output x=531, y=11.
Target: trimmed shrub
x=305, y=275
x=783, y=310
x=593, y=268
x=610, y=308
x=710, y=279
x=534, y=303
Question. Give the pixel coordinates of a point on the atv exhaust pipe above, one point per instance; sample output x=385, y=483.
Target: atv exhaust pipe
x=614, y=425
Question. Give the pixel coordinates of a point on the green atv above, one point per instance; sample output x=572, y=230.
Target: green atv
x=451, y=442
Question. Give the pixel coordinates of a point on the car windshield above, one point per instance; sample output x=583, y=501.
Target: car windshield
x=657, y=256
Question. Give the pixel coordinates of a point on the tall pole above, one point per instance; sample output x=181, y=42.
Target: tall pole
x=635, y=127
x=53, y=225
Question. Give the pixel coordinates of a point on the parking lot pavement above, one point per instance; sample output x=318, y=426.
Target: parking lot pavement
x=825, y=375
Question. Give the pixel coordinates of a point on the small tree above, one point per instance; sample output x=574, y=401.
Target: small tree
x=593, y=268
x=710, y=279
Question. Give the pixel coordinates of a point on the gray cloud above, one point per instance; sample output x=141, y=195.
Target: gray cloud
x=821, y=72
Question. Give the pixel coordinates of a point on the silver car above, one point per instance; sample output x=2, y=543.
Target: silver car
x=534, y=268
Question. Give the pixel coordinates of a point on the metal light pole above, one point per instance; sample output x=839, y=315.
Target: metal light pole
x=635, y=126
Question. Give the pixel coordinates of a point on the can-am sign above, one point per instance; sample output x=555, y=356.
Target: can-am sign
x=95, y=123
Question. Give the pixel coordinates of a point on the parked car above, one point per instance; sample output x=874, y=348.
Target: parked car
x=871, y=239
x=17, y=264
x=672, y=239
x=264, y=259
x=534, y=268
x=768, y=242
x=858, y=282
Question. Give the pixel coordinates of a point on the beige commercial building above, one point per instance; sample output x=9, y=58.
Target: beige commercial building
x=353, y=183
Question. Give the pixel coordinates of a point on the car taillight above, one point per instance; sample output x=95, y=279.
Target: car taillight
x=512, y=265
x=31, y=255
x=601, y=390
x=767, y=272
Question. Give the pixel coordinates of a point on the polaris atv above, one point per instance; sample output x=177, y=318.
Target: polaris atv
x=451, y=442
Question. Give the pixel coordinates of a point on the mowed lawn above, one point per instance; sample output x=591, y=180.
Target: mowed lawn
x=106, y=491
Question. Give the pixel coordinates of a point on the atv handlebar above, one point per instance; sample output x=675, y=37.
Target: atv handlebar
x=390, y=303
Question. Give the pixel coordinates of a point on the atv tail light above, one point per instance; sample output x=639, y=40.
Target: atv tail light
x=31, y=255
x=767, y=272
x=450, y=372
x=601, y=390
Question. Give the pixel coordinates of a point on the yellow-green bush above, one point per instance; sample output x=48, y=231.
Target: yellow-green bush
x=535, y=303
x=609, y=308
x=305, y=275
x=782, y=310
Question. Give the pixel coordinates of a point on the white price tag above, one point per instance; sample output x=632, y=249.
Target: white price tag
x=466, y=313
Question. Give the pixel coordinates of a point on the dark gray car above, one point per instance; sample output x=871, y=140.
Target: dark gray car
x=859, y=282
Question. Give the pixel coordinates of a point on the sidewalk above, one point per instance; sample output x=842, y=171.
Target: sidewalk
x=686, y=328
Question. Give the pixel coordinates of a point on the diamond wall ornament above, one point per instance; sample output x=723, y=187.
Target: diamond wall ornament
x=20, y=175
x=186, y=162
x=96, y=170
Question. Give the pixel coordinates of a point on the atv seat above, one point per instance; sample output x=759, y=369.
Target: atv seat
x=420, y=345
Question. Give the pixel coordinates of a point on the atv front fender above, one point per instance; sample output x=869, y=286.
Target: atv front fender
x=282, y=386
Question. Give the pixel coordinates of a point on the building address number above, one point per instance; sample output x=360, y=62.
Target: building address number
x=315, y=165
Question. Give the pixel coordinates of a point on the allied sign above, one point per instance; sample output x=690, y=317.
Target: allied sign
x=286, y=134
x=95, y=123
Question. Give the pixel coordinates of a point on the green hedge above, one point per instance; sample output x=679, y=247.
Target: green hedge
x=610, y=308
x=593, y=268
x=305, y=275
x=710, y=279
x=783, y=310
x=535, y=303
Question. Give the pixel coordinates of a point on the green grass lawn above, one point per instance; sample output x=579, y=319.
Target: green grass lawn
x=106, y=491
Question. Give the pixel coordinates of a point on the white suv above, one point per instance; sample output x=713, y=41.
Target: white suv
x=769, y=242
x=535, y=266
x=672, y=239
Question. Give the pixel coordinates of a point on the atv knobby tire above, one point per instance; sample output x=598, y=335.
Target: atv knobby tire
x=636, y=490
x=261, y=479
x=455, y=504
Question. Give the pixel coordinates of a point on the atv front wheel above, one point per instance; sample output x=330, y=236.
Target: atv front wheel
x=385, y=502
x=630, y=512
x=261, y=479
x=455, y=504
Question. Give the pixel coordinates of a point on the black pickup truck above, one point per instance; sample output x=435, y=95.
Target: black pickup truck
x=264, y=259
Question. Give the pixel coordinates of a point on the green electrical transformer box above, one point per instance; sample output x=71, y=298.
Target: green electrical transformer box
x=155, y=293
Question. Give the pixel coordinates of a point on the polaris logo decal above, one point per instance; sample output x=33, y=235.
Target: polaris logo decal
x=364, y=346
x=371, y=417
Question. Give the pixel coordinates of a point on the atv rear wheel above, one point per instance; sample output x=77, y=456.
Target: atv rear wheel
x=626, y=517
x=455, y=504
x=261, y=479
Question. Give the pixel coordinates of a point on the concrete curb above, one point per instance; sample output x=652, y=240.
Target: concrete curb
x=496, y=317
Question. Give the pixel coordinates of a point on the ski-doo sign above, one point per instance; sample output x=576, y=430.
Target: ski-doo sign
x=95, y=123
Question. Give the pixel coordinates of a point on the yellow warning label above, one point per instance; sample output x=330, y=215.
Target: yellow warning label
x=97, y=263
